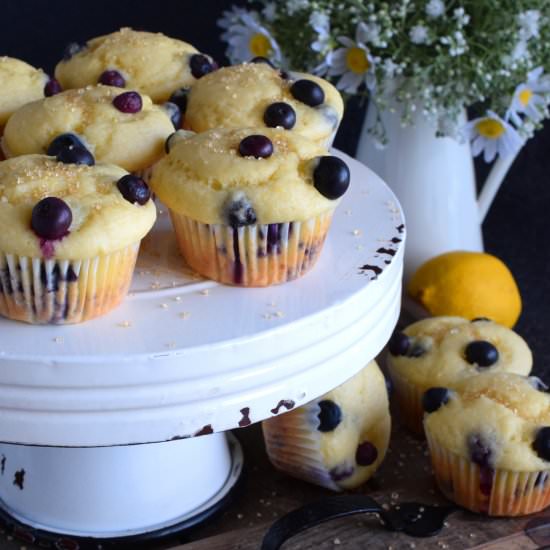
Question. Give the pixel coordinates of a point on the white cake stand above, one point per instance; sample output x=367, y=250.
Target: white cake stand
x=184, y=357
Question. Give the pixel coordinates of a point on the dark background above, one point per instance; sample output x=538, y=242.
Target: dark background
x=517, y=229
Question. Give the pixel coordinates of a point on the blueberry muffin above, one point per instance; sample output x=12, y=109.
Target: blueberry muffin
x=489, y=441
x=21, y=83
x=337, y=441
x=152, y=63
x=115, y=126
x=442, y=351
x=258, y=95
x=69, y=237
x=250, y=207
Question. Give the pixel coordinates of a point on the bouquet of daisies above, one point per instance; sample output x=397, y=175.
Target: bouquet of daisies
x=438, y=56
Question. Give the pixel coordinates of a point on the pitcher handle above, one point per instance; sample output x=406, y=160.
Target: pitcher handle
x=493, y=182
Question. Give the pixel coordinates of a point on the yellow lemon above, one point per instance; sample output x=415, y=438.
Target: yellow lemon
x=467, y=284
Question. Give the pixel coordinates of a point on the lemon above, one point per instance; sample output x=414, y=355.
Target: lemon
x=469, y=285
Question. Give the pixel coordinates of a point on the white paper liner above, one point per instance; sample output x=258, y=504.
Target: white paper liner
x=37, y=290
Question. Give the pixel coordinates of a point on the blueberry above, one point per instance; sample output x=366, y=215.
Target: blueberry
x=481, y=320
x=434, y=398
x=72, y=49
x=541, y=445
x=256, y=146
x=260, y=59
x=112, y=78
x=331, y=177
x=239, y=212
x=75, y=154
x=51, y=218
x=173, y=111
x=308, y=92
x=329, y=416
x=366, y=454
x=481, y=353
x=133, y=189
x=339, y=473
x=200, y=65
x=179, y=97
x=480, y=451
x=399, y=343
x=280, y=114
x=63, y=141
x=52, y=88
x=128, y=102
x=416, y=350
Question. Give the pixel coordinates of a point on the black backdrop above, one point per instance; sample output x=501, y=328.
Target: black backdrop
x=517, y=228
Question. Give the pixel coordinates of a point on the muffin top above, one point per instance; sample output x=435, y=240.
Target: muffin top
x=246, y=176
x=133, y=139
x=152, y=63
x=103, y=220
x=353, y=422
x=496, y=420
x=256, y=95
x=441, y=351
x=21, y=83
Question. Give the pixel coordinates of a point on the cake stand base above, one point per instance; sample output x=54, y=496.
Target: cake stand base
x=126, y=494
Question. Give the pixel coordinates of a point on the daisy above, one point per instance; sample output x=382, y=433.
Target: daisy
x=435, y=8
x=492, y=135
x=353, y=63
x=320, y=23
x=419, y=34
x=530, y=98
x=247, y=38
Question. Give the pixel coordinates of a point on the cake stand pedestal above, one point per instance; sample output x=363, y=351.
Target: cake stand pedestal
x=114, y=428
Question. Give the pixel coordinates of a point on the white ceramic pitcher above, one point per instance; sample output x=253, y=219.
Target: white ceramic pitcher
x=434, y=181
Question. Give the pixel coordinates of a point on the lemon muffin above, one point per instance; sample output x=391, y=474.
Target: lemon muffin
x=116, y=127
x=21, y=83
x=250, y=207
x=489, y=440
x=69, y=237
x=258, y=95
x=151, y=63
x=442, y=351
x=337, y=441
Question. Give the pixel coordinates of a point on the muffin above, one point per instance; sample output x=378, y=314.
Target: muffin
x=442, y=351
x=116, y=127
x=151, y=63
x=21, y=83
x=250, y=207
x=489, y=441
x=258, y=95
x=337, y=441
x=69, y=237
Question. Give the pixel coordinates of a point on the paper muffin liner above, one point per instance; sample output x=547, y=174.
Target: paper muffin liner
x=293, y=445
x=496, y=492
x=41, y=291
x=409, y=401
x=254, y=255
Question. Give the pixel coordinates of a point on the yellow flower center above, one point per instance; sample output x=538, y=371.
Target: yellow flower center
x=490, y=128
x=259, y=45
x=356, y=60
x=525, y=96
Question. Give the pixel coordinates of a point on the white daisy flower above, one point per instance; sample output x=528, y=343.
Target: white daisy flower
x=529, y=24
x=247, y=39
x=530, y=98
x=353, y=63
x=230, y=17
x=493, y=136
x=419, y=34
x=435, y=8
x=293, y=6
x=368, y=32
x=320, y=23
x=269, y=11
